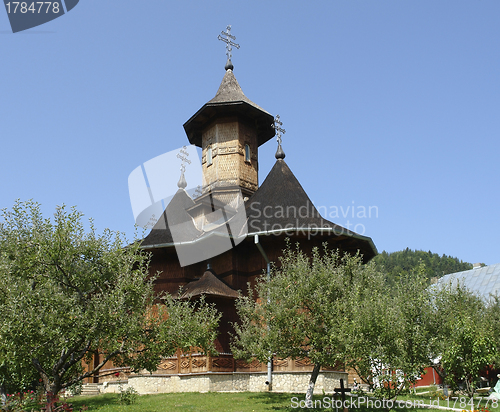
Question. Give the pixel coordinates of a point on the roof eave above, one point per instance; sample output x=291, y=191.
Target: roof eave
x=263, y=120
x=332, y=230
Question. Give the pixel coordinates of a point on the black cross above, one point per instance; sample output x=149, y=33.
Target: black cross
x=277, y=127
x=342, y=391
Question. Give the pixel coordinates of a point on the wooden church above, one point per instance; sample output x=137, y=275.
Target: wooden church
x=229, y=129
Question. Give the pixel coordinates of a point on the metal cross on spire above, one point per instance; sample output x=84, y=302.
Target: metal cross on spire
x=280, y=154
x=183, y=155
x=277, y=127
x=227, y=38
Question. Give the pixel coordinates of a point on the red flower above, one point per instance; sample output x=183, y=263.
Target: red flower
x=117, y=374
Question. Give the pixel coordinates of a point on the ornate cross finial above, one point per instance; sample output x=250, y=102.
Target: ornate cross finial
x=277, y=127
x=228, y=40
x=183, y=155
x=280, y=154
x=152, y=221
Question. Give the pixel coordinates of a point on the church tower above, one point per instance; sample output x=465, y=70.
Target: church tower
x=229, y=129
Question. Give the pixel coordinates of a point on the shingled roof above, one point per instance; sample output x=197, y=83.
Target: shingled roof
x=230, y=92
x=281, y=202
x=229, y=101
x=176, y=210
x=208, y=285
x=281, y=205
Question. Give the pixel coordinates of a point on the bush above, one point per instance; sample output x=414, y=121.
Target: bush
x=128, y=396
x=21, y=401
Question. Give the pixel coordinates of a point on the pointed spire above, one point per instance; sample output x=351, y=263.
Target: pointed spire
x=280, y=154
x=229, y=100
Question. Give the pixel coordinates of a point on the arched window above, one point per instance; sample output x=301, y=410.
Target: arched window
x=209, y=155
x=247, y=153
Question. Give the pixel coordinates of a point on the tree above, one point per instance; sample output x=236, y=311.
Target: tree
x=332, y=308
x=464, y=326
x=387, y=335
x=370, y=335
x=301, y=311
x=401, y=263
x=493, y=320
x=66, y=295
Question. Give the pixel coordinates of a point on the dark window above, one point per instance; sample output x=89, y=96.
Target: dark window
x=247, y=153
x=209, y=155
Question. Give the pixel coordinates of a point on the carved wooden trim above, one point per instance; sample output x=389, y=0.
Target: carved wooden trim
x=245, y=365
x=168, y=365
x=199, y=363
x=303, y=362
x=225, y=363
x=280, y=362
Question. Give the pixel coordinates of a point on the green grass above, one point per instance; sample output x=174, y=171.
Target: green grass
x=214, y=402
x=193, y=401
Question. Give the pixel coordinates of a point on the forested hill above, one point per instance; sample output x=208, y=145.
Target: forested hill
x=404, y=261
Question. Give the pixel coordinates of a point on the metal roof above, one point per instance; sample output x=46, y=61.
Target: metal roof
x=482, y=280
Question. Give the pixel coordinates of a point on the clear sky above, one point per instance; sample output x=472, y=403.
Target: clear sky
x=393, y=105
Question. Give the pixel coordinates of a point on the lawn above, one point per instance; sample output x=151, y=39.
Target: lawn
x=219, y=402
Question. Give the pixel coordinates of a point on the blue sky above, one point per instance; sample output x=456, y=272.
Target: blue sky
x=388, y=104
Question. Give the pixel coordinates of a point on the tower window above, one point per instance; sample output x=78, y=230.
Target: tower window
x=247, y=153
x=209, y=155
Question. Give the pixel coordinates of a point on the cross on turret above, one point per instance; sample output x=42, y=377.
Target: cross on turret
x=227, y=38
x=183, y=155
x=277, y=127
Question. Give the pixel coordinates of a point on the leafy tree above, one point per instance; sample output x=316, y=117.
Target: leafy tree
x=331, y=308
x=387, y=334
x=493, y=320
x=301, y=311
x=401, y=263
x=66, y=294
x=371, y=336
x=465, y=335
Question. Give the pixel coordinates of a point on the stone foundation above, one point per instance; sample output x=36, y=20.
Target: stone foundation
x=288, y=382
